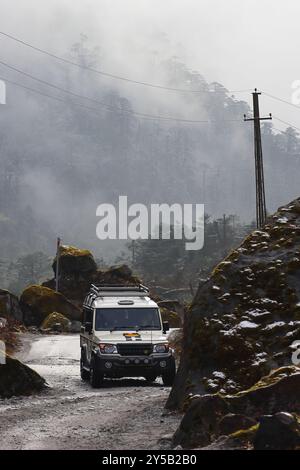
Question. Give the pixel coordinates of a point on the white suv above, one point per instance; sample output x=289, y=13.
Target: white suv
x=123, y=335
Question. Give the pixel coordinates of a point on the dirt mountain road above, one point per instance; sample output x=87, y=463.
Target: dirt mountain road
x=124, y=414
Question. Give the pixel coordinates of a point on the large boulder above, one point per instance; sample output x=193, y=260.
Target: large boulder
x=75, y=261
x=199, y=425
x=78, y=271
x=56, y=322
x=9, y=305
x=18, y=379
x=117, y=273
x=204, y=419
x=278, y=432
x=37, y=302
x=244, y=320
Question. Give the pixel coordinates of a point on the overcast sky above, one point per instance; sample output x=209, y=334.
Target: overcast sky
x=240, y=43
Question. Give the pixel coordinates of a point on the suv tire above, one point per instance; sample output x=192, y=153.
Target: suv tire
x=84, y=374
x=96, y=378
x=168, y=376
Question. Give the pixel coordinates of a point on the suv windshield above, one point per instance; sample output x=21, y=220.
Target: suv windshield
x=127, y=319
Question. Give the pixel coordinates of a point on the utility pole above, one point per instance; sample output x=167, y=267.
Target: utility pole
x=57, y=265
x=261, y=210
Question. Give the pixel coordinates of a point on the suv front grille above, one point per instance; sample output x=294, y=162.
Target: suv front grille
x=135, y=349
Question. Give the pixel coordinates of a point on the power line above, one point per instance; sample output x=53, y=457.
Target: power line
x=287, y=123
x=76, y=95
x=110, y=75
x=111, y=108
x=33, y=90
x=284, y=132
x=61, y=100
x=285, y=102
x=55, y=98
x=281, y=100
x=159, y=117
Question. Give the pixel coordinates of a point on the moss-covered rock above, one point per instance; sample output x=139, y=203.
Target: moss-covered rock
x=117, y=272
x=202, y=422
x=37, y=302
x=18, y=379
x=75, y=261
x=244, y=320
x=78, y=271
x=56, y=321
x=231, y=422
x=278, y=432
x=199, y=426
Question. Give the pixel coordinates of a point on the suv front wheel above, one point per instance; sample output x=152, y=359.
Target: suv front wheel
x=168, y=376
x=96, y=378
x=84, y=374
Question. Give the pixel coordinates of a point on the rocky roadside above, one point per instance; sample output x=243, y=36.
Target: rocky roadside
x=236, y=375
x=262, y=418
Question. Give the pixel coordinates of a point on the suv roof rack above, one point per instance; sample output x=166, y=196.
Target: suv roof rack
x=119, y=287
x=110, y=290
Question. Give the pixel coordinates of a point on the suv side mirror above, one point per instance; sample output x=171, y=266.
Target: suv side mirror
x=166, y=327
x=88, y=327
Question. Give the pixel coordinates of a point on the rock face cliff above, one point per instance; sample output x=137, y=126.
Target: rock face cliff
x=243, y=322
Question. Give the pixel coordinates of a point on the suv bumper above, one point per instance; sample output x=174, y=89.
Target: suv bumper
x=133, y=366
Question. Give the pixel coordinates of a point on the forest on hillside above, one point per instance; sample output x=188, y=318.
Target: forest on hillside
x=60, y=160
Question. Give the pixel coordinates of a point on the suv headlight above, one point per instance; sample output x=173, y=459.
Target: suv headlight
x=108, y=348
x=161, y=348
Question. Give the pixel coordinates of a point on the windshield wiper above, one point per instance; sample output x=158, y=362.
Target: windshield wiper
x=143, y=327
x=123, y=328
x=136, y=328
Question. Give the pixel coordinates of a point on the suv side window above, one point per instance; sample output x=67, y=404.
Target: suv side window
x=87, y=316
